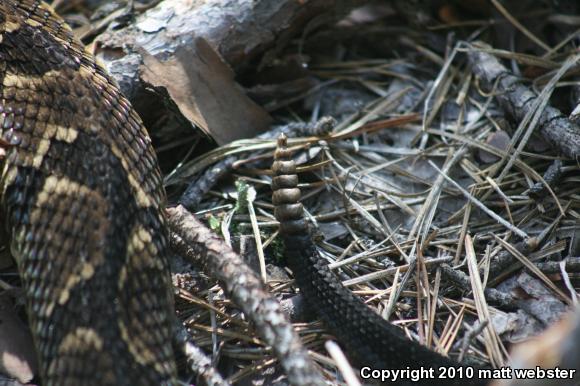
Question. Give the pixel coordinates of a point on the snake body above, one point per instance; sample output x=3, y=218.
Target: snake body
x=371, y=340
x=81, y=198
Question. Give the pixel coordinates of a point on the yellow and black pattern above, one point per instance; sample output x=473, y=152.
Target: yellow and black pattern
x=81, y=197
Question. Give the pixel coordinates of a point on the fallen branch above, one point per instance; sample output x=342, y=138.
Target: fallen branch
x=199, y=362
x=518, y=101
x=193, y=240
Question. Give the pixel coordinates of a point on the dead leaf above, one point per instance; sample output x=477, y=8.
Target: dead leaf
x=500, y=140
x=557, y=347
x=17, y=355
x=203, y=88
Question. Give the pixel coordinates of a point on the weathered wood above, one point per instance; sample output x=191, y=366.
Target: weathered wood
x=237, y=30
x=517, y=100
x=192, y=239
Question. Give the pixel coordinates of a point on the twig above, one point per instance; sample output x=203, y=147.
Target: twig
x=192, y=239
x=197, y=359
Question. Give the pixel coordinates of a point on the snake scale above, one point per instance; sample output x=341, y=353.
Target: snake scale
x=371, y=340
x=82, y=202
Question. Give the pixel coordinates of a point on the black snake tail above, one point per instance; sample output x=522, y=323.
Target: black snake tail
x=367, y=338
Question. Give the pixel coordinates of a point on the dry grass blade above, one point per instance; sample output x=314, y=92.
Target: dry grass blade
x=518, y=25
x=493, y=344
x=481, y=206
x=258, y=239
x=529, y=265
x=390, y=272
x=344, y=367
x=449, y=335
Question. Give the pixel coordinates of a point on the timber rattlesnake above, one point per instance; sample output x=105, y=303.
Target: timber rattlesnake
x=82, y=200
